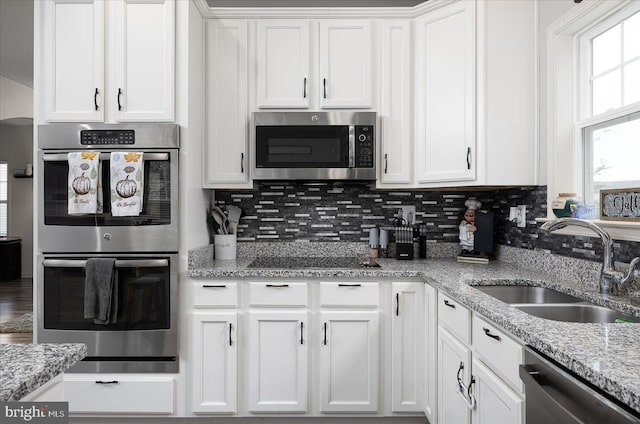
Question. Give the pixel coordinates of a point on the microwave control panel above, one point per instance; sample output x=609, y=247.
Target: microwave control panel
x=364, y=146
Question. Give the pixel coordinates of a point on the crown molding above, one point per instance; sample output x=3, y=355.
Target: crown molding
x=208, y=12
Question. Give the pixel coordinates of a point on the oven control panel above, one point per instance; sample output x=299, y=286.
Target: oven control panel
x=93, y=137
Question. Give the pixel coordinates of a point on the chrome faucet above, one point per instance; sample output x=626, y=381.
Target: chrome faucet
x=610, y=279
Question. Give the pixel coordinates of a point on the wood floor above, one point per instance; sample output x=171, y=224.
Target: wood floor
x=16, y=299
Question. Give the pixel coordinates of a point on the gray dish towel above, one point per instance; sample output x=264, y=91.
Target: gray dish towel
x=101, y=290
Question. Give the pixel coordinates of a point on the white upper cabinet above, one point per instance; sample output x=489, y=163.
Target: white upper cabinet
x=74, y=61
x=445, y=94
x=227, y=117
x=346, y=64
x=109, y=61
x=395, y=112
x=510, y=106
x=144, y=60
x=283, y=64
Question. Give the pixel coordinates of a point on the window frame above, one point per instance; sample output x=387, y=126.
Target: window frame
x=6, y=201
x=565, y=106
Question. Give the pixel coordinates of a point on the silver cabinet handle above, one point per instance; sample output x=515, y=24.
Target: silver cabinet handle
x=304, y=88
x=386, y=163
x=62, y=157
x=124, y=263
x=242, y=163
x=468, y=157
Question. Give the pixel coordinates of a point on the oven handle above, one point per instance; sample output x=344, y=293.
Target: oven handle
x=62, y=157
x=120, y=263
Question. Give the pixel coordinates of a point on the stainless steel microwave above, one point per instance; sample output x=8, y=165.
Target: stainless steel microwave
x=313, y=145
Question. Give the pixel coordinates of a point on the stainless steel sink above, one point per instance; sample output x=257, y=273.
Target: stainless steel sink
x=550, y=304
x=576, y=313
x=527, y=294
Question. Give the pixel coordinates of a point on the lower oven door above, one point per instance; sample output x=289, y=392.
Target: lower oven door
x=142, y=333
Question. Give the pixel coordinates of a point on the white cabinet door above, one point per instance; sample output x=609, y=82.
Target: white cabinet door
x=74, y=61
x=345, y=64
x=407, y=347
x=349, y=365
x=143, y=60
x=454, y=361
x=396, y=99
x=496, y=402
x=445, y=94
x=283, y=63
x=214, y=362
x=277, y=368
x=431, y=342
x=225, y=157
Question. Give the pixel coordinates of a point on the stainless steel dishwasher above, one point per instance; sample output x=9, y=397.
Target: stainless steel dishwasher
x=554, y=396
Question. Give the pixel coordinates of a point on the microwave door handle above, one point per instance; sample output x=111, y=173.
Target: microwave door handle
x=62, y=157
x=120, y=263
x=352, y=146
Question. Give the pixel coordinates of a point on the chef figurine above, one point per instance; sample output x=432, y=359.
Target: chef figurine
x=467, y=227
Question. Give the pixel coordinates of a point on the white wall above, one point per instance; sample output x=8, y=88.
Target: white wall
x=16, y=100
x=16, y=148
x=550, y=10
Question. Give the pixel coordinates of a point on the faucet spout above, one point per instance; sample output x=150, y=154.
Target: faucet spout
x=609, y=277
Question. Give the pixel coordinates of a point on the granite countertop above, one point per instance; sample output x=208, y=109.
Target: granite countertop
x=606, y=355
x=26, y=367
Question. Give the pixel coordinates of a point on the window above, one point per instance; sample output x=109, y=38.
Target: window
x=4, y=189
x=592, y=105
x=611, y=155
x=610, y=132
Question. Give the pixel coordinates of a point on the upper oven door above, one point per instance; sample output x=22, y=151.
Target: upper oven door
x=154, y=229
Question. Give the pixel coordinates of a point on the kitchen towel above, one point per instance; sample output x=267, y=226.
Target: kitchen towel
x=127, y=171
x=101, y=290
x=84, y=170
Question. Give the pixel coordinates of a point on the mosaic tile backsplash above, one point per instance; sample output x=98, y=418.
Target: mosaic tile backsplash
x=346, y=211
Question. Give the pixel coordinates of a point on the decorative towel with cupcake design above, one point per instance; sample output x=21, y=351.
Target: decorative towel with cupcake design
x=127, y=183
x=83, y=182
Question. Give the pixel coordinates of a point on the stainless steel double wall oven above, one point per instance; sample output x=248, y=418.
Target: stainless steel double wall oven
x=143, y=337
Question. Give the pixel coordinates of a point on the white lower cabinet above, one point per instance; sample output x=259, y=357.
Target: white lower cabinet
x=277, y=367
x=349, y=361
x=477, y=369
x=497, y=403
x=454, y=362
x=407, y=347
x=309, y=348
x=214, y=341
x=126, y=394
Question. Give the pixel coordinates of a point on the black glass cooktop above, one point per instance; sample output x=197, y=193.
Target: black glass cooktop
x=299, y=262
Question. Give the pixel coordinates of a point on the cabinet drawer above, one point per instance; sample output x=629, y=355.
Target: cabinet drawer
x=455, y=317
x=278, y=293
x=220, y=294
x=98, y=394
x=348, y=294
x=503, y=354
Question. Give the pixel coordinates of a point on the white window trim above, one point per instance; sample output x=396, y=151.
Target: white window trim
x=6, y=202
x=564, y=153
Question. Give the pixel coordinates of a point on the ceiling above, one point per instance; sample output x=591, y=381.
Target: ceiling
x=313, y=3
x=16, y=40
